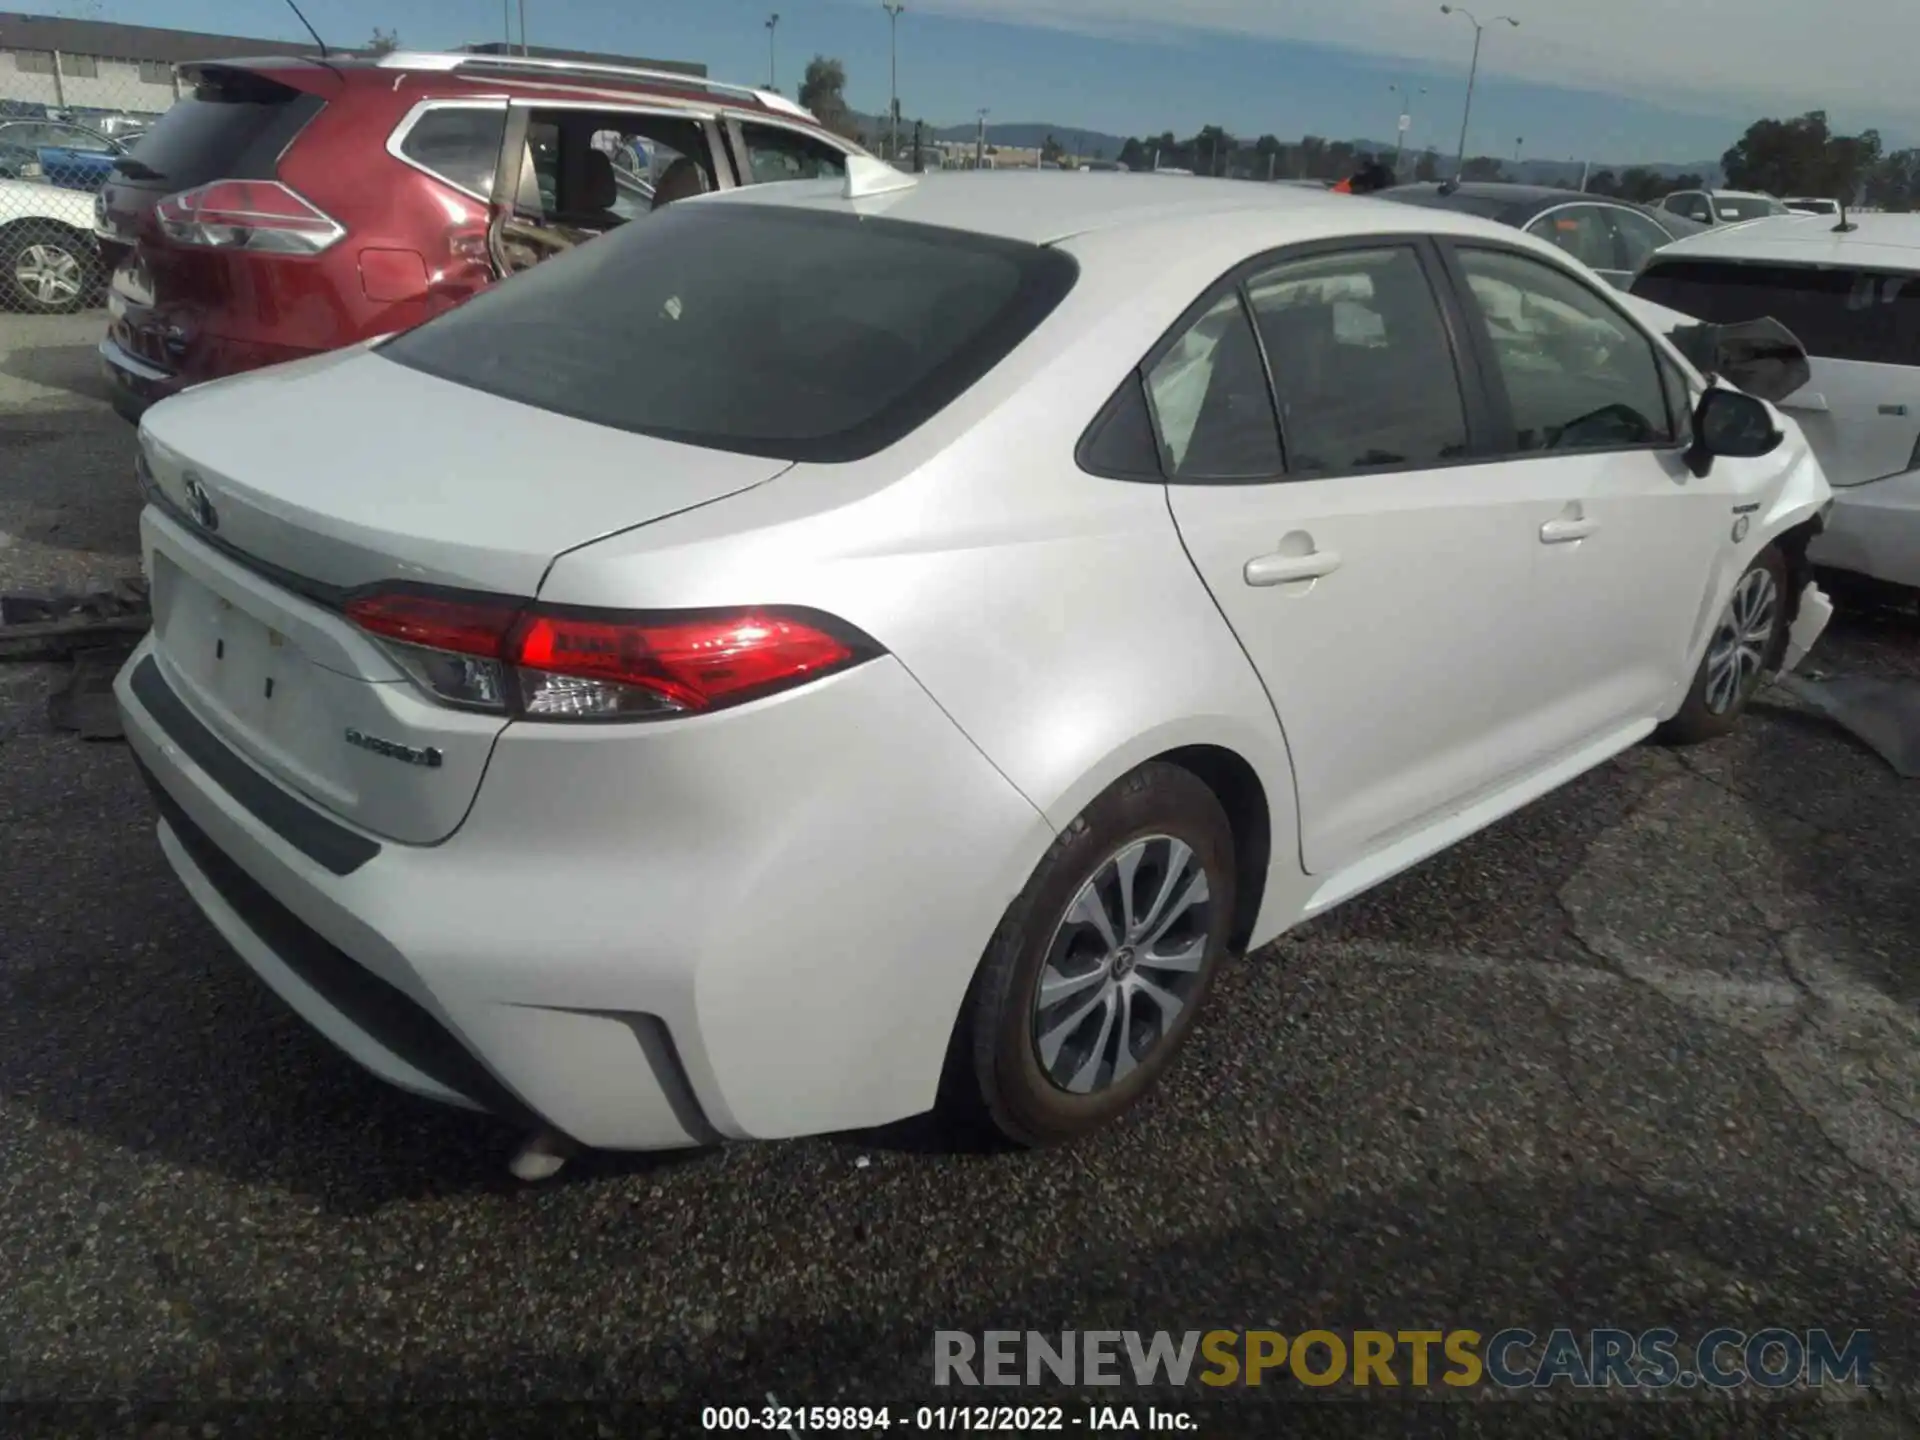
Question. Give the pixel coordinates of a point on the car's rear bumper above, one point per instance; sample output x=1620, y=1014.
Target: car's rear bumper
x=731, y=931
x=132, y=383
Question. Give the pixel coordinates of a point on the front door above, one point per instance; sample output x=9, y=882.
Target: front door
x=1376, y=575
x=1589, y=404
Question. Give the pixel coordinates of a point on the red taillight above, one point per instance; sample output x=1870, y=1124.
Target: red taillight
x=258, y=215
x=578, y=665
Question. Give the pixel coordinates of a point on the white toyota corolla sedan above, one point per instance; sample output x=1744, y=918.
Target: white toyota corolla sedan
x=830, y=651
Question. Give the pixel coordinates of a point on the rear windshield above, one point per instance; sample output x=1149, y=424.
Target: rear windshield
x=1838, y=314
x=1729, y=210
x=759, y=329
x=232, y=126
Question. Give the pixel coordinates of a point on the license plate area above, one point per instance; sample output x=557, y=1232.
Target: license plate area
x=236, y=661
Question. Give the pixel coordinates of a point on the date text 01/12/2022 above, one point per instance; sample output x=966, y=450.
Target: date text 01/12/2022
x=951, y=1419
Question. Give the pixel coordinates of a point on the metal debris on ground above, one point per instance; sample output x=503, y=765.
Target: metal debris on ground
x=58, y=625
x=1883, y=713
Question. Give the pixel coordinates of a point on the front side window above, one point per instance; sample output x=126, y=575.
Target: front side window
x=1746, y=207
x=763, y=330
x=458, y=143
x=775, y=154
x=1838, y=314
x=1582, y=232
x=1211, y=403
x=1360, y=361
x=1577, y=374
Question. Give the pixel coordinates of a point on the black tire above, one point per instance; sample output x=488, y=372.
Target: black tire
x=996, y=1077
x=1698, y=719
x=19, y=241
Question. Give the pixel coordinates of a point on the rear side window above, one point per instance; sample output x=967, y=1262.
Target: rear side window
x=1210, y=399
x=458, y=143
x=1582, y=231
x=757, y=329
x=775, y=154
x=1360, y=361
x=1838, y=314
x=233, y=126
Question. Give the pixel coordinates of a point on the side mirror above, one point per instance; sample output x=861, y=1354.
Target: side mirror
x=1729, y=423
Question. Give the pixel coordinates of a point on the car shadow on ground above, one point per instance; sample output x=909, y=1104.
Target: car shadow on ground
x=73, y=369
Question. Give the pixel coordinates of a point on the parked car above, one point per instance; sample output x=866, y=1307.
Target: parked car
x=1613, y=238
x=71, y=157
x=1811, y=205
x=588, y=730
x=287, y=207
x=1853, y=298
x=48, y=263
x=1722, y=207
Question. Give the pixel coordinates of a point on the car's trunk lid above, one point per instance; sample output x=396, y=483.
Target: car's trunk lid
x=263, y=523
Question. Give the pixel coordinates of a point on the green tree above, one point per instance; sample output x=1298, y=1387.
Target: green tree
x=1052, y=151
x=384, y=42
x=1603, y=182
x=1482, y=167
x=1801, y=156
x=1894, y=182
x=1136, y=156
x=1427, y=167
x=1209, y=150
x=823, y=90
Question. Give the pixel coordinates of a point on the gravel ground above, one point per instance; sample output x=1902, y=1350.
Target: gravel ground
x=1643, y=1054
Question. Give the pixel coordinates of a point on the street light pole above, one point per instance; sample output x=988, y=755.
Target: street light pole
x=523, y=28
x=773, y=63
x=1473, y=72
x=893, y=9
x=980, y=143
x=1405, y=114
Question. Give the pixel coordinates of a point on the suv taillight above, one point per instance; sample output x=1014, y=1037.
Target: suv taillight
x=562, y=663
x=257, y=215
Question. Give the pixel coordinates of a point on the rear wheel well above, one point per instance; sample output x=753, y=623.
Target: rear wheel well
x=1244, y=798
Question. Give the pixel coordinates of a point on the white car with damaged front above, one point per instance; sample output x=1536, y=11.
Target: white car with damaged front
x=816, y=654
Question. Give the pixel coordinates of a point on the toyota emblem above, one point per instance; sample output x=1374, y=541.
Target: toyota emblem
x=200, y=504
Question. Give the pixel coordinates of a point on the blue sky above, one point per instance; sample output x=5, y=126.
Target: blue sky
x=1567, y=82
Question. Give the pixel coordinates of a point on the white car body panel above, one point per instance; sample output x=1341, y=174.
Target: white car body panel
x=32, y=200
x=1861, y=417
x=763, y=921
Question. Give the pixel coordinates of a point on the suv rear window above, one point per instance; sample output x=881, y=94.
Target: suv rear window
x=753, y=328
x=232, y=126
x=1838, y=314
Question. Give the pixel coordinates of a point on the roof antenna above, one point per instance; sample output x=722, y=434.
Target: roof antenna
x=1845, y=224
x=310, y=30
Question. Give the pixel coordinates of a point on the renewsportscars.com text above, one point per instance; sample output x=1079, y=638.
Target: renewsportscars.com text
x=1657, y=1359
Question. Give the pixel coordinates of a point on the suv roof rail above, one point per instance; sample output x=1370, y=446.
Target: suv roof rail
x=454, y=62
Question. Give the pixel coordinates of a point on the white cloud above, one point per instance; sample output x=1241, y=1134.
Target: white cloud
x=1742, y=58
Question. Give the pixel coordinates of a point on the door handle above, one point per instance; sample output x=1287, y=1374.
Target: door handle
x=1279, y=569
x=1565, y=532
x=1812, y=404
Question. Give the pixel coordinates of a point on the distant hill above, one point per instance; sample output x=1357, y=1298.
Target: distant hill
x=1031, y=135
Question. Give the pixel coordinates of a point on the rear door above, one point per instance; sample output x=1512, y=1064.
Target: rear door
x=557, y=182
x=1375, y=570
x=1592, y=412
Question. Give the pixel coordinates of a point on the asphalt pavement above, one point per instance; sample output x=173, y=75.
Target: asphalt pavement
x=1643, y=1054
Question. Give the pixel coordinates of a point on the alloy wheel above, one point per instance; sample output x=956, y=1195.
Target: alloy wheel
x=1123, y=963
x=1739, y=648
x=47, y=274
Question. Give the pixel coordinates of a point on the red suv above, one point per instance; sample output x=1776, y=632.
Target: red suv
x=288, y=207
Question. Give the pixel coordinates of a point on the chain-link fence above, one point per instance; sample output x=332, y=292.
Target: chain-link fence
x=65, y=118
